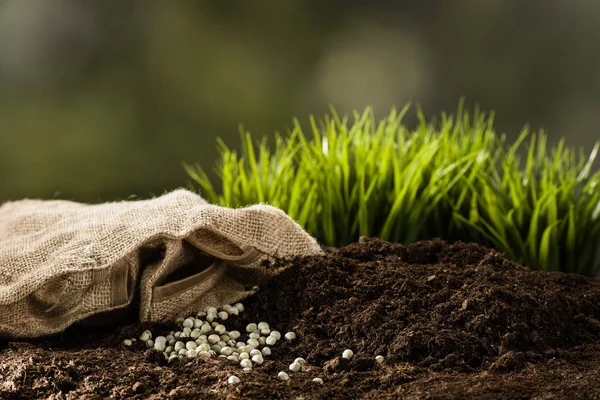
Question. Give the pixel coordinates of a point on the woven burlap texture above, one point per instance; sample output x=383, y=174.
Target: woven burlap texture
x=62, y=261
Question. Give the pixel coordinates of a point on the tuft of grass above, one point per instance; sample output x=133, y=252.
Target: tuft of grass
x=455, y=179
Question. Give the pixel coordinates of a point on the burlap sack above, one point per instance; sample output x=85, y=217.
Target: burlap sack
x=61, y=261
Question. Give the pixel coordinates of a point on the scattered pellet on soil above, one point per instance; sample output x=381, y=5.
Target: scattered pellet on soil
x=295, y=367
x=283, y=376
x=347, y=354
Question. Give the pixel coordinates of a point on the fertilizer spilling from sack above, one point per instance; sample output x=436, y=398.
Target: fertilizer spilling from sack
x=61, y=261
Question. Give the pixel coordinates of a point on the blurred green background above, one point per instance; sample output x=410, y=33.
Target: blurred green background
x=100, y=100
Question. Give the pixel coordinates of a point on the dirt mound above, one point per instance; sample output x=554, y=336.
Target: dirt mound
x=451, y=320
x=430, y=304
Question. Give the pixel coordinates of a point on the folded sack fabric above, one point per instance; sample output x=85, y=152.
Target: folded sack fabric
x=62, y=262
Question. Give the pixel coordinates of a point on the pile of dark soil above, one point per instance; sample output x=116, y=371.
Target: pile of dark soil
x=453, y=321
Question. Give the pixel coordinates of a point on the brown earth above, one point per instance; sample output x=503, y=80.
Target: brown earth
x=453, y=321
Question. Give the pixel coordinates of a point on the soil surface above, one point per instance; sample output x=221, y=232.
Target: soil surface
x=452, y=321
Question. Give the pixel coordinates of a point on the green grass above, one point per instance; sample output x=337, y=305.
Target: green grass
x=455, y=179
